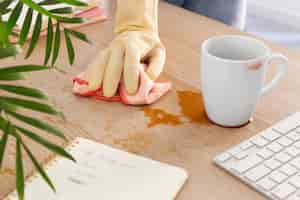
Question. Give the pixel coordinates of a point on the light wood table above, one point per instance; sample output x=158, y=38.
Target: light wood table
x=180, y=133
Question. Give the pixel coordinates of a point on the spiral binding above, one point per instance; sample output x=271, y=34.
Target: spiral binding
x=47, y=166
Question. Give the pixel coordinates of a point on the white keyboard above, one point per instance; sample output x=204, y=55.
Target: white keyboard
x=269, y=161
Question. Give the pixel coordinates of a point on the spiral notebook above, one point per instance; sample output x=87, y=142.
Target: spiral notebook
x=105, y=173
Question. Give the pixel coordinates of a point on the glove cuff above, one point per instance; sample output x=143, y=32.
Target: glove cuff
x=137, y=15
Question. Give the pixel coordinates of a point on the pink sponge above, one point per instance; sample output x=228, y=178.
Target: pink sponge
x=148, y=92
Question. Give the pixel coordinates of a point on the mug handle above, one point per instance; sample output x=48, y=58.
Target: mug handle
x=282, y=69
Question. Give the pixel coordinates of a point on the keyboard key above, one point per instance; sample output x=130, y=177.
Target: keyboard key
x=284, y=141
x=294, y=197
x=246, y=164
x=278, y=176
x=273, y=164
x=296, y=163
x=257, y=173
x=298, y=130
x=223, y=157
x=241, y=155
x=275, y=147
x=283, y=191
x=288, y=170
x=265, y=153
x=246, y=145
x=234, y=151
x=270, y=135
x=292, y=151
x=295, y=136
x=295, y=181
x=297, y=144
x=259, y=141
x=269, y=161
x=288, y=124
x=283, y=157
x=266, y=184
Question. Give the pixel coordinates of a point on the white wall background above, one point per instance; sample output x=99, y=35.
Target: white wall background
x=288, y=5
x=283, y=11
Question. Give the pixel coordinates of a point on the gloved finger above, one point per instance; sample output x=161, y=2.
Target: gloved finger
x=95, y=72
x=131, y=69
x=156, y=60
x=113, y=71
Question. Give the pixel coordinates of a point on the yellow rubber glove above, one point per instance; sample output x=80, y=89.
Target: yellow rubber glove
x=137, y=42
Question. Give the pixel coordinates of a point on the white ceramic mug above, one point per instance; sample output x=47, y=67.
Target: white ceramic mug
x=233, y=72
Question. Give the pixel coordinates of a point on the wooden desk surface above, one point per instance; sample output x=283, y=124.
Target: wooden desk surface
x=189, y=140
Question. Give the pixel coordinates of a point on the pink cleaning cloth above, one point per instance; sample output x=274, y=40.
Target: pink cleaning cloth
x=148, y=92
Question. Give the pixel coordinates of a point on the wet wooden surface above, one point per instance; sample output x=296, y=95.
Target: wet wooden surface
x=175, y=129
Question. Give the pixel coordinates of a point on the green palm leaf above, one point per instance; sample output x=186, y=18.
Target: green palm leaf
x=35, y=35
x=19, y=171
x=49, y=2
x=9, y=51
x=74, y=2
x=22, y=68
x=13, y=18
x=49, y=41
x=25, y=91
x=38, y=167
x=38, y=124
x=3, y=142
x=8, y=107
x=4, y=4
x=26, y=27
x=78, y=35
x=63, y=10
x=29, y=104
x=52, y=147
x=3, y=34
x=56, y=44
x=11, y=77
x=70, y=47
x=45, y=12
x=4, y=11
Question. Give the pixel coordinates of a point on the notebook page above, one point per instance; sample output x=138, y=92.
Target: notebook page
x=102, y=172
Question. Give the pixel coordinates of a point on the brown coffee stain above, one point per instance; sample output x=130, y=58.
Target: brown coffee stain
x=134, y=143
x=159, y=116
x=192, y=106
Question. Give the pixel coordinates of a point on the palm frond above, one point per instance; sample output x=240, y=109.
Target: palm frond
x=14, y=17
x=3, y=142
x=26, y=27
x=20, y=183
x=25, y=91
x=10, y=106
x=38, y=124
x=70, y=47
x=35, y=35
x=45, y=12
x=78, y=35
x=74, y=2
x=49, y=41
x=49, y=2
x=9, y=51
x=53, y=147
x=56, y=45
x=63, y=10
x=30, y=104
x=39, y=168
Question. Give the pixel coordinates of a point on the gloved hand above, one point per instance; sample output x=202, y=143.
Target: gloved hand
x=137, y=42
